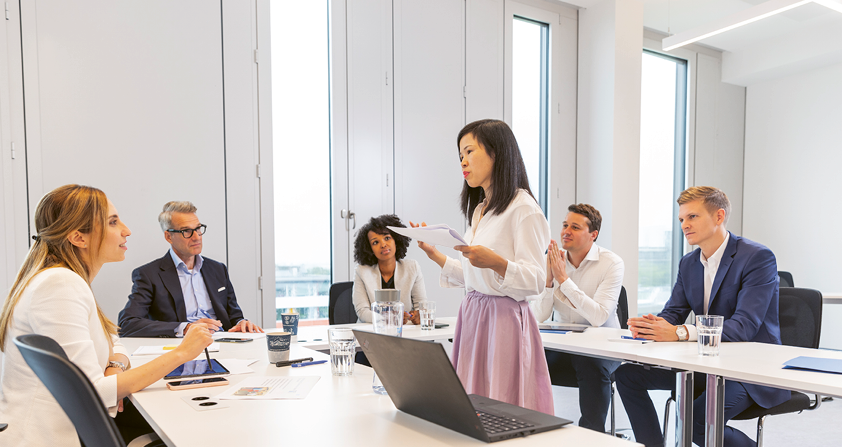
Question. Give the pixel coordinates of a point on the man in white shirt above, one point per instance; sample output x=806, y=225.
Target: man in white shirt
x=583, y=286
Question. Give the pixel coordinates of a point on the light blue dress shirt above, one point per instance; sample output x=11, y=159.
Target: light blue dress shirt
x=197, y=303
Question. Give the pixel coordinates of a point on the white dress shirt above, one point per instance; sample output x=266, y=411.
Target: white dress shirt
x=197, y=304
x=57, y=303
x=711, y=266
x=520, y=234
x=590, y=293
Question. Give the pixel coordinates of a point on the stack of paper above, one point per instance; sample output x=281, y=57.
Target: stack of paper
x=440, y=234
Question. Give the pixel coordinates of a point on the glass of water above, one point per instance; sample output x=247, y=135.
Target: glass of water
x=343, y=348
x=428, y=315
x=709, y=330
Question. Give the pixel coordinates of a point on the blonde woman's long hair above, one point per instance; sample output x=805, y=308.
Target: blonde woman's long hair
x=61, y=212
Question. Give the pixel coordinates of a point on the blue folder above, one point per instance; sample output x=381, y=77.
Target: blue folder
x=817, y=364
x=552, y=331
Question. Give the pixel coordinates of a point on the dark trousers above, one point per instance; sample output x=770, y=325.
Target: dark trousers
x=592, y=376
x=634, y=383
x=131, y=423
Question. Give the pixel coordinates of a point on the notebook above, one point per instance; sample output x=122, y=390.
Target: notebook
x=421, y=381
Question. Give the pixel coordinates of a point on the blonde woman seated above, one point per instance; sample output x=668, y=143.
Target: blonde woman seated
x=78, y=230
x=380, y=254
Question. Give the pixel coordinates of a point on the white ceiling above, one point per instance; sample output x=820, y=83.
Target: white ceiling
x=801, y=39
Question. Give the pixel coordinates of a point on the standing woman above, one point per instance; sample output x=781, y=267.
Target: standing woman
x=78, y=231
x=497, y=351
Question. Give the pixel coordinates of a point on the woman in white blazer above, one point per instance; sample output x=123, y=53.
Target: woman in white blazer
x=78, y=231
x=380, y=254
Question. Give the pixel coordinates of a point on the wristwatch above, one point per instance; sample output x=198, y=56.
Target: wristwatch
x=113, y=364
x=681, y=332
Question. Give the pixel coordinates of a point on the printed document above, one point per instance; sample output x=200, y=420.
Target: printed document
x=440, y=234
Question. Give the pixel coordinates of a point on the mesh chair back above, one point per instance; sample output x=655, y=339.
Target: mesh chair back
x=800, y=317
x=786, y=279
x=623, y=308
x=71, y=389
x=341, y=305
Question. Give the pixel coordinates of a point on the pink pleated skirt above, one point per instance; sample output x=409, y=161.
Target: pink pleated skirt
x=497, y=352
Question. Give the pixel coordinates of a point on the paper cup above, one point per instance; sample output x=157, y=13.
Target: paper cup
x=278, y=344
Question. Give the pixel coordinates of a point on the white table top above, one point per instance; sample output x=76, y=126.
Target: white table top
x=758, y=363
x=338, y=411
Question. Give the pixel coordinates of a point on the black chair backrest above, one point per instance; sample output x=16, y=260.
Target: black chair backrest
x=623, y=308
x=71, y=389
x=800, y=317
x=341, y=305
x=786, y=279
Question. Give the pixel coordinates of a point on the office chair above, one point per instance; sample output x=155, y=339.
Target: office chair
x=341, y=305
x=623, y=316
x=786, y=279
x=73, y=392
x=800, y=316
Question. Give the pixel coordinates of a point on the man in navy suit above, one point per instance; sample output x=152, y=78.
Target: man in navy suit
x=727, y=275
x=181, y=288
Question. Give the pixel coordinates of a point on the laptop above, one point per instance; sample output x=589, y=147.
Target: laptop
x=421, y=381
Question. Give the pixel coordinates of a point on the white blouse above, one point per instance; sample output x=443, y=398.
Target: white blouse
x=57, y=303
x=521, y=235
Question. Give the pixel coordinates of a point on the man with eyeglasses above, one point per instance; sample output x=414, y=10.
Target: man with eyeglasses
x=183, y=287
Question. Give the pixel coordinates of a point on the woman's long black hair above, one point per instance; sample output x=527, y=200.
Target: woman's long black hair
x=508, y=174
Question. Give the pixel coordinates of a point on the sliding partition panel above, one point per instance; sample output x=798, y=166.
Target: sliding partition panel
x=124, y=97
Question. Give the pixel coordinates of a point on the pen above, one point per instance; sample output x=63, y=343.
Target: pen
x=208, y=357
x=317, y=362
x=291, y=362
x=626, y=337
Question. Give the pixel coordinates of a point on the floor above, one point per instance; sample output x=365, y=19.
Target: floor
x=811, y=428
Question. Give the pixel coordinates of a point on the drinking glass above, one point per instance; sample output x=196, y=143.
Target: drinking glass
x=709, y=330
x=343, y=347
x=428, y=315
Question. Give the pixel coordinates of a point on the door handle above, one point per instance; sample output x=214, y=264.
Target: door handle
x=348, y=215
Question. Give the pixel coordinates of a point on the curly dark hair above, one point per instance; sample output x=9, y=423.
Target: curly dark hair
x=362, y=247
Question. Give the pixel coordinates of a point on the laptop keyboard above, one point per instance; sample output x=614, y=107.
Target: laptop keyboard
x=494, y=424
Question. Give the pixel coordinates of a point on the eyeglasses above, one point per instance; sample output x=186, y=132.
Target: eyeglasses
x=188, y=233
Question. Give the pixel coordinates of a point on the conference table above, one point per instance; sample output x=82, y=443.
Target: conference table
x=757, y=363
x=337, y=411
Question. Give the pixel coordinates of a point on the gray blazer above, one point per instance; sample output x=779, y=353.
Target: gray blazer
x=408, y=279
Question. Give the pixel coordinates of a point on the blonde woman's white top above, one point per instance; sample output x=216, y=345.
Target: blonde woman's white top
x=59, y=304
x=521, y=235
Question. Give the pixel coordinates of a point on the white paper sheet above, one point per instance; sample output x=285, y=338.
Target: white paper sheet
x=270, y=388
x=440, y=234
x=237, y=366
x=161, y=350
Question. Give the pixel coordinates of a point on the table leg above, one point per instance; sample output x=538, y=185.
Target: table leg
x=684, y=403
x=714, y=411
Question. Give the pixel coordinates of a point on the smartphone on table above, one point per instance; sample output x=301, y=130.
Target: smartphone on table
x=198, y=383
x=234, y=340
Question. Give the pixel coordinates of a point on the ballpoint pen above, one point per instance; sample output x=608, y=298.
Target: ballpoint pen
x=317, y=362
x=292, y=362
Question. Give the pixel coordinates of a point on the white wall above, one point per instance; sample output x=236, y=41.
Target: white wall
x=792, y=187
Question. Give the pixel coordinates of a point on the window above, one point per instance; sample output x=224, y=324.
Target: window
x=662, y=173
x=530, y=94
x=301, y=130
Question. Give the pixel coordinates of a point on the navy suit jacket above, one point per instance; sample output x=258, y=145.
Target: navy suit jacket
x=156, y=305
x=745, y=292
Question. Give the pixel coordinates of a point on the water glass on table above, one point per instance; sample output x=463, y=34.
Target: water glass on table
x=428, y=315
x=343, y=348
x=709, y=331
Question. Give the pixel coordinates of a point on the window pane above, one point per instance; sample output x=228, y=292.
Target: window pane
x=661, y=175
x=530, y=52
x=301, y=129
